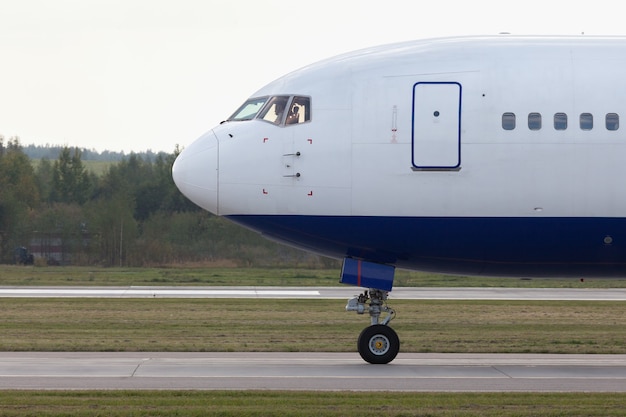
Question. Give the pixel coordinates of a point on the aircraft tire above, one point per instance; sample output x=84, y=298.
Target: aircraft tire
x=378, y=344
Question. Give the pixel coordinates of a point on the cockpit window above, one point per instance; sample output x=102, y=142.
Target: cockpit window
x=279, y=110
x=249, y=109
x=299, y=110
x=274, y=110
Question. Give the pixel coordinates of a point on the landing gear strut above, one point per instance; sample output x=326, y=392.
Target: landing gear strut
x=378, y=343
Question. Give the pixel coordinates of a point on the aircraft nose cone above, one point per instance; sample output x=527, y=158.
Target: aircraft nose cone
x=195, y=172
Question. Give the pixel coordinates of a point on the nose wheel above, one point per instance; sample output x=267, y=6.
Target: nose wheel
x=379, y=343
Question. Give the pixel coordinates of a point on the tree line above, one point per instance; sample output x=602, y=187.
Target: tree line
x=49, y=151
x=131, y=215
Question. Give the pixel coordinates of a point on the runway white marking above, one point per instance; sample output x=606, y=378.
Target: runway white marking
x=399, y=293
x=153, y=293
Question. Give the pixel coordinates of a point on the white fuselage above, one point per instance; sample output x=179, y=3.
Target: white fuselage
x=420, y=137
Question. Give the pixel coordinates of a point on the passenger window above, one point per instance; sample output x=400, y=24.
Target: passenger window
x=586, y=121
x=508, y=121
x=534, y=121
x=560, y=121
x=612, y=121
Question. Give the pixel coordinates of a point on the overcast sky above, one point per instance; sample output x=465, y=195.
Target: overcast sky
x=134, y=75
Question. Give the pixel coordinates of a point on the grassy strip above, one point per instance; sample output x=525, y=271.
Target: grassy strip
x=209, y=276
x=214, y=276
x=307, y=325
x=316, y=404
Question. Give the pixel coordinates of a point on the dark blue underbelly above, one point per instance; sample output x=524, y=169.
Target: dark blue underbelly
x=518, y=246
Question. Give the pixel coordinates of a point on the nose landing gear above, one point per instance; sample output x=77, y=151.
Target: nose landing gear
x=378, y=343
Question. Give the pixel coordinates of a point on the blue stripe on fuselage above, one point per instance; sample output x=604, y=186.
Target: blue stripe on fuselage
x=516, y=246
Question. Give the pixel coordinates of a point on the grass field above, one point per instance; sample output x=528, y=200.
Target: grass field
x=305, y=404
x=222, y=276
x=307, y=325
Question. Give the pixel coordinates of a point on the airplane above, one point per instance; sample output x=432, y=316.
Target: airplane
x=483, y=155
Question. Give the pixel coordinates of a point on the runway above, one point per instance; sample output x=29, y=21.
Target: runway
x=313, y=371
x=399, y=293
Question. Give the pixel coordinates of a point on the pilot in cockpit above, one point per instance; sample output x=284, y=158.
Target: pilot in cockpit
x=279, y=109
x=293, y=116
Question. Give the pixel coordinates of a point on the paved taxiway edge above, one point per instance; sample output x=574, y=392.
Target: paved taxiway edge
x=312, y=371
x=399, y=293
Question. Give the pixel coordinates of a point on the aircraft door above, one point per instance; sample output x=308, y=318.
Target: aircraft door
x=436, y=132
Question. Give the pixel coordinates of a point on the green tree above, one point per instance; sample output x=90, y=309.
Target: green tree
x=172, y=200
x=17, y=175
x=43, y=176
x=71, y=183
x=18, y=197
x=148, y=184
x=113, y=229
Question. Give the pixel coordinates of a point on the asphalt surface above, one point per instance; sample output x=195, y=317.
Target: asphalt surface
x=313, y=371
